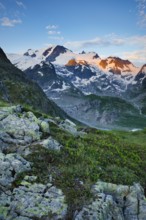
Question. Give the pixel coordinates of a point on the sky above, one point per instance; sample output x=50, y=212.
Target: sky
x=108, y=27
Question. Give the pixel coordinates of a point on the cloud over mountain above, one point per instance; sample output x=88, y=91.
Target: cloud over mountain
x=7, y=22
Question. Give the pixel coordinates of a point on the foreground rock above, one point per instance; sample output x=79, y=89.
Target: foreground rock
x=33, y=200
x=115, y=202
x=51, y=144
x=71, y=127
x=20, y=128
x=10, y=166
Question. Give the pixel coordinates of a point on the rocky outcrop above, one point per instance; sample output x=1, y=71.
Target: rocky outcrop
x=115, y=202
x=20, y=128
x=28, y=199
x=33, y=201
x=38, y=200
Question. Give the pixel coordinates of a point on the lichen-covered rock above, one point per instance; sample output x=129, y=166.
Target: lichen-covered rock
x=69, y=126
x=115, y=202
x=5, y=111
x=44, y=126
x=10, y=166
x=20, y=128
x=51, y=144
x=37, y=201
x=5, y=200
x=101, y=208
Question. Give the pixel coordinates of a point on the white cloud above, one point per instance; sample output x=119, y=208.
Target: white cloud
x=51, y=27
x=107, y=41
x=136, y=45
x=98, y=41
x=5, y=21
x=136, y=55
x=2, y=7
x=20, y=4
x=54, y=32
x=142, y=12
x=56, y=38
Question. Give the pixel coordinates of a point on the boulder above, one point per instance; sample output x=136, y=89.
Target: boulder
x=20, y=128
x=69, y=126
x=51, y=144
x=44, y=126
x=35, y=201
x=10, y=166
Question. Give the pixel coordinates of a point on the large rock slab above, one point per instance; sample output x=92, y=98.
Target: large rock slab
x=34, y=201
x=115, y=202
x=20, y=128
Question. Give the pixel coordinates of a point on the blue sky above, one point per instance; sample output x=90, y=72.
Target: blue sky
x=108, y=27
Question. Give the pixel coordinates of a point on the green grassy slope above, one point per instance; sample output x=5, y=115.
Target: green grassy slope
x=126, y=114
x=116, y=157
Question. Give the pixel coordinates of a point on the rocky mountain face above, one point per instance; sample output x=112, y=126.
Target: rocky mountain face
x=74, y=76
x=53, y=85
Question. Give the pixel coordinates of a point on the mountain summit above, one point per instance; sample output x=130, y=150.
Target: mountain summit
x=117, y=65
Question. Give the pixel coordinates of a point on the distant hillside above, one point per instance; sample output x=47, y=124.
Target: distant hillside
x=16, y=88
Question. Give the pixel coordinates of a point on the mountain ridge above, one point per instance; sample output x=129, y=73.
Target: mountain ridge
x=56, y=51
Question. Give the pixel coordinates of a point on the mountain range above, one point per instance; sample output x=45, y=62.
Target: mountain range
x=103, y=93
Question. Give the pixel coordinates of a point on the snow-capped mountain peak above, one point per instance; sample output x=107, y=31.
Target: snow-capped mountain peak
x=112, y=72
x=117, y=66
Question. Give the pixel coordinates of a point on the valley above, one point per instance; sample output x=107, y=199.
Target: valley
x=103, y=93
